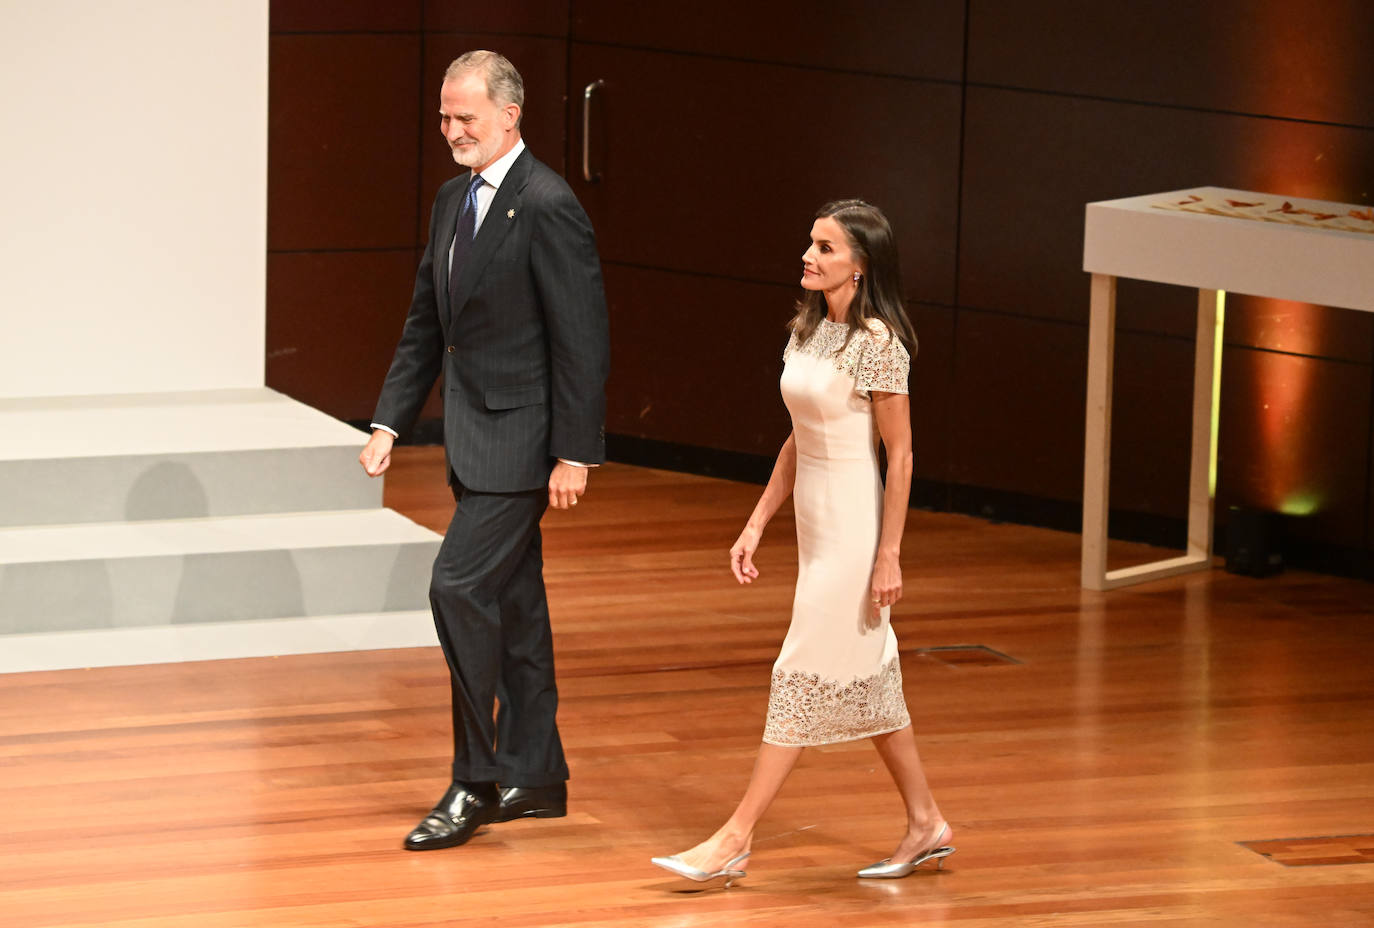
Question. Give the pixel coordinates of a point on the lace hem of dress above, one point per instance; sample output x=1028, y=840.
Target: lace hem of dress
x=805, y=709
x=878, y=361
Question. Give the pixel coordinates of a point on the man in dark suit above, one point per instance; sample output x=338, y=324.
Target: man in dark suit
x=508, y=304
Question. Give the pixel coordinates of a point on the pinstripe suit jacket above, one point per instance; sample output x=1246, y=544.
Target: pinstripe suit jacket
x=522, y=342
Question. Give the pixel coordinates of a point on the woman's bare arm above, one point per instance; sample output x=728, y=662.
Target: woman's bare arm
x=892, y=414
x=779, y=487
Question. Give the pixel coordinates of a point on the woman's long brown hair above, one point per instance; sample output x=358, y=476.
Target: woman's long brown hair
x=879, y=294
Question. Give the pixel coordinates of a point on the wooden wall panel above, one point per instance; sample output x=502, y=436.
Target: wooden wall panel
x=1152, y=414
x=1032, y=160
x=345, y=16
x=1294, y=429
x=1300, y=328
x=932, y=390
x=1161, y=309
x=717, y=167
x=1295, y=439
x=1018, y=410
x=509, y=17
x=334, y=323
x=1019, y=400
x=1273, y=325
x=1278, y=58
x=343, y=141
x=1369, y=506
x=915, y=38
x=1255, y=322
x=542, y=64
x=696, y=360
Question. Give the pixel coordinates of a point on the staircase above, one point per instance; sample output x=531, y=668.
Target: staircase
x=191, y=526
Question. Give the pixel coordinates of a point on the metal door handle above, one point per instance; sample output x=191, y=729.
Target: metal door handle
x=587, y=93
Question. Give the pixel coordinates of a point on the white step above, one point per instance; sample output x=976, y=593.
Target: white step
x=111, y=647
x=158, y=573
x=175, y=455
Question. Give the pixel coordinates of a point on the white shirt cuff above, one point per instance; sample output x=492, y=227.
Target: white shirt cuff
x=577, y=463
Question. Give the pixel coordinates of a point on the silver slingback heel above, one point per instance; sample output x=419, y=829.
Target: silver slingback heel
x=675, y=865
x=887, y=870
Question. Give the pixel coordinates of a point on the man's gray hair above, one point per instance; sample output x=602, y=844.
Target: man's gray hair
x=504, y=84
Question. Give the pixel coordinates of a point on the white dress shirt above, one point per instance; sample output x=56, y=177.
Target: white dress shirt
x=494, y=176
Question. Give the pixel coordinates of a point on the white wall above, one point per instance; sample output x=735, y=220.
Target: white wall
x=133, y=195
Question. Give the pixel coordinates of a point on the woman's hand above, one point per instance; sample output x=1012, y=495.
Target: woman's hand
x=742, y=555
x=887, y=583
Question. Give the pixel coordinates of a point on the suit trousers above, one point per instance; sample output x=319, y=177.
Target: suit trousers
x=492, y=616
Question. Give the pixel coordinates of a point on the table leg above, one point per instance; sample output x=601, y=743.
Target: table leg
x=1097, y=450
x=1098, y=443
x=1202, y=481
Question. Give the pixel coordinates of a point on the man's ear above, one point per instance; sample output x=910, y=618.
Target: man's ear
x=511, y=112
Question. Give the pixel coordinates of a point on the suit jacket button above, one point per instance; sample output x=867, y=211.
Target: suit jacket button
x=451, y=349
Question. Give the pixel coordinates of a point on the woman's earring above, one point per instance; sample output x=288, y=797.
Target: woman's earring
x=857, y=275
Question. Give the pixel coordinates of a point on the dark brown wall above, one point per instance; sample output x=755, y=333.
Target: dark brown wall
x=705, y=204
x=1070, y=101
x=354, y=159
x=981, y=128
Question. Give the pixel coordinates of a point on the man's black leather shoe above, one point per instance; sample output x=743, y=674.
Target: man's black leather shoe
x=534, y=802
x=456, y=818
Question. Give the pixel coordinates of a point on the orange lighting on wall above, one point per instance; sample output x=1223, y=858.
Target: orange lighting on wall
x=1286, y=158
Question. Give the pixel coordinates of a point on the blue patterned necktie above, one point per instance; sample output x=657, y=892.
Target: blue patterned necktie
x=463, y=235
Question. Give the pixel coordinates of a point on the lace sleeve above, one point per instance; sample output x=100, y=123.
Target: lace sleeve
x=884, y=364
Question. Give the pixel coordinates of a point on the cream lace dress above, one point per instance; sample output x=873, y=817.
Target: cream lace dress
x=837, y=677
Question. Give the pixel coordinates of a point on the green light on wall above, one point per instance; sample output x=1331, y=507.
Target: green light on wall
x=1301, y=504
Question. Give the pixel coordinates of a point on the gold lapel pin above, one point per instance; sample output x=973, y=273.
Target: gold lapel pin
x=510, y=214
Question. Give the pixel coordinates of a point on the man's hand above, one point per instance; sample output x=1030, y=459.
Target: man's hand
x=376, y=456
x=566, y=484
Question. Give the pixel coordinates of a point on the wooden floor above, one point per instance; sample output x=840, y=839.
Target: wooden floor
x=1106, y=778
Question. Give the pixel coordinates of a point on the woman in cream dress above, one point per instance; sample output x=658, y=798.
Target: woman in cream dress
x=838, y=677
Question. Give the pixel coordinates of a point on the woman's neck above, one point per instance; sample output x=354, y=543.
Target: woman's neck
x=838, y=301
